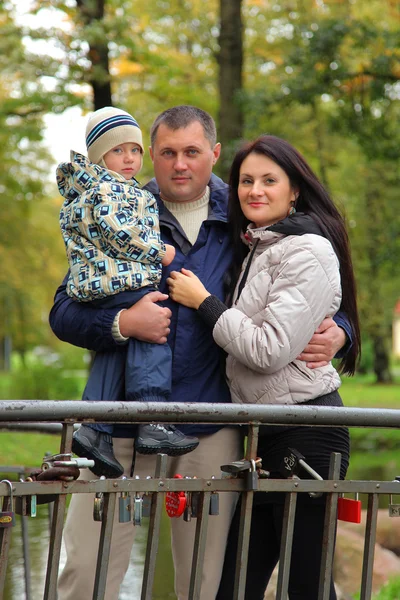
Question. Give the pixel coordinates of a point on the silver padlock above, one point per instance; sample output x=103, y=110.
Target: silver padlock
x=98, y=505
x=394, y=509
x=214, y=504
x=187, y=513
x=146, y=504
x=125, y=507
x=137, y=510
x=252, y=477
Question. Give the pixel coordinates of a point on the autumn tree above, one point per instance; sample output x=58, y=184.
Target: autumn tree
x=230, y=80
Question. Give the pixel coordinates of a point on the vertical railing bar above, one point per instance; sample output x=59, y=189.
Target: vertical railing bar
x=25, y=549
x=53, y=562
x=199, y=546
x=153, y=536
x=245, y=522
x=26, y=555
x=57, y=523
x=66, y=438
x=103, y=555
x=5, y=543
x=286, y=546
x=369, y=547
x=330, y=523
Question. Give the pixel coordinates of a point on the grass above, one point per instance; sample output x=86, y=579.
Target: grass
x=361, y=391
x=26, y=449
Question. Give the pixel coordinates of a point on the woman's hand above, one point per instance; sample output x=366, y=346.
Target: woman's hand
x=186, y=288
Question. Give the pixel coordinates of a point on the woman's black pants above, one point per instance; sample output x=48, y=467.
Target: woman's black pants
x=316, y=444
x=266, y=529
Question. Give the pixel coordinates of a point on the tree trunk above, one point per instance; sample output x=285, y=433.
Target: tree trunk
x=377, y=327
x=381, y=360
x=99, y=76
x=230, y=62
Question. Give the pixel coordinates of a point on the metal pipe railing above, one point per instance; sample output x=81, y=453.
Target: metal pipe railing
x=70, y=411
x=40, y=415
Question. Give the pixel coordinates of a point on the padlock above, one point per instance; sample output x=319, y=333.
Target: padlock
x=195, y=504
x=7, y=518
x=349, y=510
x=137, y=510
x=214, y=504
x=31, y=505
x=252, y=477
x=124, y=506
x=394, y=509
x=290, y=462
x=187, y=513
x=146, y=504
x=98, y=505
x=175, y=502
x=124, y=512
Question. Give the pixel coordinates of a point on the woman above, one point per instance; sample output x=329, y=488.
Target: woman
x=297, y=271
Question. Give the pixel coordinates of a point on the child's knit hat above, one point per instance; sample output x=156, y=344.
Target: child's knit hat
x=108, y=127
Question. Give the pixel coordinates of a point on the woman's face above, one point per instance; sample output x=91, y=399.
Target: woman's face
x=264, y=190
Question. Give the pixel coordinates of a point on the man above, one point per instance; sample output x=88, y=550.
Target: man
x=193, y=204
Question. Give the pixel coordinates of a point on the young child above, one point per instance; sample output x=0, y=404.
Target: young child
x=111, y=231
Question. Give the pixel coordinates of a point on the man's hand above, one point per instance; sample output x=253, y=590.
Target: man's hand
x=146, y=321
x=324, y=344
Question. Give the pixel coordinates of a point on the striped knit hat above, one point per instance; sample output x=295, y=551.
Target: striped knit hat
x=108, y=127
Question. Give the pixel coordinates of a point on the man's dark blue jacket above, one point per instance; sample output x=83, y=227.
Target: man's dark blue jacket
x=197, y=372
x=197, y=369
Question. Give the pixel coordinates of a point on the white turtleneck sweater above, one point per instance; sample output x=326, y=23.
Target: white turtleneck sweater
x=190, y=215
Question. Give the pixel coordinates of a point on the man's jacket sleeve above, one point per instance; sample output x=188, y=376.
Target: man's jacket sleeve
x=342, y=321
x=80, y=323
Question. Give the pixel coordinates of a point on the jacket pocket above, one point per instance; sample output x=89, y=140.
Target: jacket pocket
x=299, y=369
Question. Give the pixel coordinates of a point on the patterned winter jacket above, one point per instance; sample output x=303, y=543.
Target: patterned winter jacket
x=111, y=231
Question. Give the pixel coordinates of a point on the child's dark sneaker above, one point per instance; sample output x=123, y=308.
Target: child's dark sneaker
x=167, y=439
x=97, y=446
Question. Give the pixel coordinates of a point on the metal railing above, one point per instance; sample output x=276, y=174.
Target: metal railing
x=61, y=416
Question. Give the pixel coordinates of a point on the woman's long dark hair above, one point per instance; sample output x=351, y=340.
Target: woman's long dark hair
x=312, y=200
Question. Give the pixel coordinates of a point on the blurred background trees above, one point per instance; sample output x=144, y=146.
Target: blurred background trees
x=324, y=74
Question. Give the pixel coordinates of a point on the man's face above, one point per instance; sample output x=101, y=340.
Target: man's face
x=183, y=160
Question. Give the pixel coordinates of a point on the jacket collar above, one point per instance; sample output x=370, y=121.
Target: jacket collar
x=297, y=224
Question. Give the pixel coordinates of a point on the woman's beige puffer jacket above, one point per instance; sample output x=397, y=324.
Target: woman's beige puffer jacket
x=292, y=285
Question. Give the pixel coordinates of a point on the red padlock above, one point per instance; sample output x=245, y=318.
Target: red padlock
x=175, y=502
x=349, y=510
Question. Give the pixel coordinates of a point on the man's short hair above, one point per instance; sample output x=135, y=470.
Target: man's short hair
x=182, y=116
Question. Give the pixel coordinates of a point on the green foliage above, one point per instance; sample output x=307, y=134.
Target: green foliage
x=26, y=449
x=390, y=591
x=46, y=375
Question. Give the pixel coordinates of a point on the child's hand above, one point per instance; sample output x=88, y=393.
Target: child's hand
x=186, y=288
x=169, y=255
